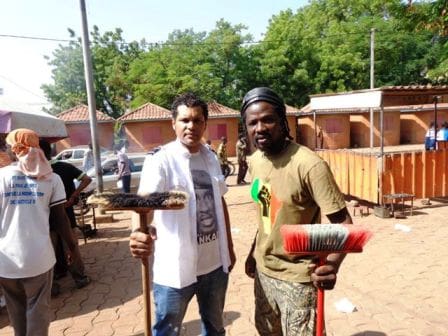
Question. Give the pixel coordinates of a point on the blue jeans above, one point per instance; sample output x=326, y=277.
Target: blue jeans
x=171, y=304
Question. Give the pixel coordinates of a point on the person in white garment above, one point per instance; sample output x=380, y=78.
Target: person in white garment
x=30, y=194
x=193, y=250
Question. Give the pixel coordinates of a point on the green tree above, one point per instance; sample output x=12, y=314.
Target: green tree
x=165, y=70
x=321, y=47
x=224, y=47
x=208, y=64
x=69, y=87
x=325, y=47
x=111, y=57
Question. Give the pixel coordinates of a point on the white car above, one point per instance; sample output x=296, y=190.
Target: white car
x=110, y=173
x=75, y=155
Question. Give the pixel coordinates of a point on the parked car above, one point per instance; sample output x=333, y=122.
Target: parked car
x=154, y=150
x=110, y=173
x=75, y=155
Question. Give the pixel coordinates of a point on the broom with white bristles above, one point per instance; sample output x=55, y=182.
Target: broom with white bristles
x=322, y=240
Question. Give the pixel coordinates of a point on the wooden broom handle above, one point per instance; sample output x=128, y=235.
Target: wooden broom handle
x=145, y=278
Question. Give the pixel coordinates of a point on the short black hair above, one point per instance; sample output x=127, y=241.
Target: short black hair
x=189, y=99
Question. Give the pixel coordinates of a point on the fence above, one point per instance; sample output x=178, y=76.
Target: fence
x=356, y=174
x=421, y=173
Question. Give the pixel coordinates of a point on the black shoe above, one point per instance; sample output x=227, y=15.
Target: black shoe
x=82, y=282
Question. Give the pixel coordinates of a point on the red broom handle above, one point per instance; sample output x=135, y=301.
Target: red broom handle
x=320, y=320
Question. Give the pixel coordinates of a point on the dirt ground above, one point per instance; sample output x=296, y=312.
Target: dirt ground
x=396, y=285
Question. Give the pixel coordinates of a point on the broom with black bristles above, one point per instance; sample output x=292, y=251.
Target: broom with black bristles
x=322, y=240
x=169, y=200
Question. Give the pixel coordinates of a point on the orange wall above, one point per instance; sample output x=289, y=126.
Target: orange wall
x=360, y=129
x=79, y=134
x=292, y=124
x=135, y=134
x=135, y=130
x=232, y=133
x=330, y=140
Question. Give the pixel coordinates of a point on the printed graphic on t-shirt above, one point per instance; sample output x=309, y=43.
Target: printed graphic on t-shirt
x=269, y=204
x=205, y=207
x=23, y=191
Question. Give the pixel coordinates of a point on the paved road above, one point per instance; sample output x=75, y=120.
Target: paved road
x=397, y=285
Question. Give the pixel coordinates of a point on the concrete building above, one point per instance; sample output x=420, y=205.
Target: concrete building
x=146, y=127
x=78, y=128
x=399, y=114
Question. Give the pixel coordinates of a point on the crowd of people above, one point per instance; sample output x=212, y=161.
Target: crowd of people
x=192, y=247
x=434, y=135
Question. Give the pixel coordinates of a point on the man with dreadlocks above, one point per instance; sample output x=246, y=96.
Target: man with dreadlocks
x=290, y=184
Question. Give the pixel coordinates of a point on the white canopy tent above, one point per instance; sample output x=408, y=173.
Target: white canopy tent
x=44, y=124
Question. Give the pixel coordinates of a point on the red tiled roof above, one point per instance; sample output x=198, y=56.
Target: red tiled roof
x=216, y=110
x=80, y=113
x=415, y=87
x=291, y=110
x=151, y=111
x=147, y=112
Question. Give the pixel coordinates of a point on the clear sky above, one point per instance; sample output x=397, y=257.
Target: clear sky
x=22, y=66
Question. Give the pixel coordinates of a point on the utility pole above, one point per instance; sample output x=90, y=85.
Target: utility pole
x=88, y=73
x=372, y=81
x=436, y=100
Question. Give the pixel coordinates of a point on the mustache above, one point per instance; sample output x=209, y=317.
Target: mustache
x=263, y=135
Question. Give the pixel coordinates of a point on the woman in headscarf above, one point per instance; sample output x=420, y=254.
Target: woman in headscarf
x=30, y=193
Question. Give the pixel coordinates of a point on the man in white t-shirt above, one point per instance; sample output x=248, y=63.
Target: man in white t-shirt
x=30, y=193
x=193, y=251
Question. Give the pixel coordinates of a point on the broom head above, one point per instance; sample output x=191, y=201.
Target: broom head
x=324, y=238
x=156, y=200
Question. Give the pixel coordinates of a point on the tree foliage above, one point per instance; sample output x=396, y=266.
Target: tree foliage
x=111, y=56
x=321, y=47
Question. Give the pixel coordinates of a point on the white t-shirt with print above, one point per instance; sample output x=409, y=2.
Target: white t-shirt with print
x=176, y=248
x=209, y=258
x=25, y=245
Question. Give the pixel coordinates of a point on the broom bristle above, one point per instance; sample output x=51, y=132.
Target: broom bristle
x=357, y=238
x=156, y=200
x=298, y=238
x=327, y=238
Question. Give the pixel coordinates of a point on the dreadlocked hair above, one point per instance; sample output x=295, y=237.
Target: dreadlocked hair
x=267, y=95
